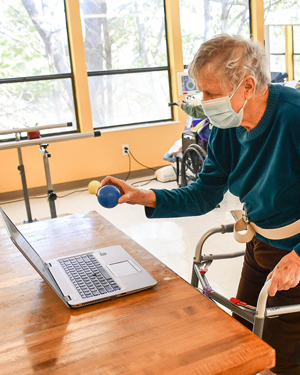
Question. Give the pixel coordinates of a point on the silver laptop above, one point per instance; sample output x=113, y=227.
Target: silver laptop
x=85, y=278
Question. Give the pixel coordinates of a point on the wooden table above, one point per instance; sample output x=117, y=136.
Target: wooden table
x=170, y=329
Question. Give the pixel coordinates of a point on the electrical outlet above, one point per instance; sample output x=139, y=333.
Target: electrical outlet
x=125, y=149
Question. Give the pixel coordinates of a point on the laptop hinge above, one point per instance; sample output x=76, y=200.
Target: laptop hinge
x=67, y=298
x=48, y=265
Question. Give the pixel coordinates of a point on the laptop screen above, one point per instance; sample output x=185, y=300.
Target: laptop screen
x=28, y=251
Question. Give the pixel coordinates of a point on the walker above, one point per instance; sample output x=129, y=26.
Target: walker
x=255, y=315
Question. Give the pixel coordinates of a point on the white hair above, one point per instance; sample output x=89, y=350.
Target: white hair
x=233, y=57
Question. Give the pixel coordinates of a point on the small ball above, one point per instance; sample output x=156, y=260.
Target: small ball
x=108, y=196
x=93, y=185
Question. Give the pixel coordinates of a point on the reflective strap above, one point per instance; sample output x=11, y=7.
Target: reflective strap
x=251, y=228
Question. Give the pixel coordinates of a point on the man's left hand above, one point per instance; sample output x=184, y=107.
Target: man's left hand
x=286, y=274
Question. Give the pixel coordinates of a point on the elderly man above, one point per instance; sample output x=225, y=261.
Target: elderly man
x=254, y=152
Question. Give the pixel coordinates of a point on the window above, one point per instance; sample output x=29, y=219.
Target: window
x=127, y=61
x=202, y=19
x=277, y=48
x=35, y=73
x=296, y=45
x=278, y=15
x=282, y=12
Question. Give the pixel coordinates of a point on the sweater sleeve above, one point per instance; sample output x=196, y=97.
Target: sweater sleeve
x=198, y=198
x=297, y=249
x=195, y=111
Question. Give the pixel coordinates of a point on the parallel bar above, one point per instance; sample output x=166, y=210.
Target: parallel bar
x=24, y=184
x=35, y=128
x=51, y=195
x=57, y=138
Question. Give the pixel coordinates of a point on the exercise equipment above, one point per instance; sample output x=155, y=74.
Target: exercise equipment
x=254, y=314
x=51, y=195
x=93, y=186
x=108, y=196
x=18, y=143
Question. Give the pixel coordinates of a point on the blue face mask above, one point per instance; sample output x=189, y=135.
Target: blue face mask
x=220, y=112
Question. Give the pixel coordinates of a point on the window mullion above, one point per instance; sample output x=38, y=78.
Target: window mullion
x=78, y=63
x=257, y=20
x=289, y=52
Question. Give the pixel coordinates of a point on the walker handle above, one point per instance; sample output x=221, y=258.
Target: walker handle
x=262, y=300
x=228, y=228
x=259, y=318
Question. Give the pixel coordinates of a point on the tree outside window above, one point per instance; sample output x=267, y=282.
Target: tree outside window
x=127, y=63
x=202, y=19
x=35, y=73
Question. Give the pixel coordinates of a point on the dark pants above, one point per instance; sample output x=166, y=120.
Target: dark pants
x=282, y=333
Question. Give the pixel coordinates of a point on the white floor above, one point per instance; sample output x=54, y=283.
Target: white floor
x=172, y=241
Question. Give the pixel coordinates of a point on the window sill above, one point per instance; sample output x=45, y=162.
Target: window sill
x=137, y=126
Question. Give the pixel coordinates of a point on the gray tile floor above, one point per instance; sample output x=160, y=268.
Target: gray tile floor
x=172, y=241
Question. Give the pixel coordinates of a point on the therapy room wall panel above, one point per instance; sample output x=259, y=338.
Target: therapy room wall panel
x=88, y=158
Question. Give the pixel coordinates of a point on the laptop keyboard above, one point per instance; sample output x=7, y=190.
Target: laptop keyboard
x=88, y=276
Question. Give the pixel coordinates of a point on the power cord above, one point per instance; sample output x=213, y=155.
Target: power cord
x=129, y=167
x=44, y=196
x=81, y=190
x=21, y=199
x=130, y=153
x=72, y=192
x=145, y=182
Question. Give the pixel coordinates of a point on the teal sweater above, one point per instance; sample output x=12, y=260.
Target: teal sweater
x=260, y=166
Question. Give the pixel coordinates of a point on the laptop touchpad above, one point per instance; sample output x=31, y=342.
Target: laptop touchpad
x=122, y=268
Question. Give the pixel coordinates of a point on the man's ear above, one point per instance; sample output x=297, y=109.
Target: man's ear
x=250, y=85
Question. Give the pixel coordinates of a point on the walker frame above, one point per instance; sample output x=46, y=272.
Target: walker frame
x=255, y=315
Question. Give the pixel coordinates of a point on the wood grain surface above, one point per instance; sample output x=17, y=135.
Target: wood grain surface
x=169, y=329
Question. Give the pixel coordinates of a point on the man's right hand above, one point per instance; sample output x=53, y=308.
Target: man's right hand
x=130, y=194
